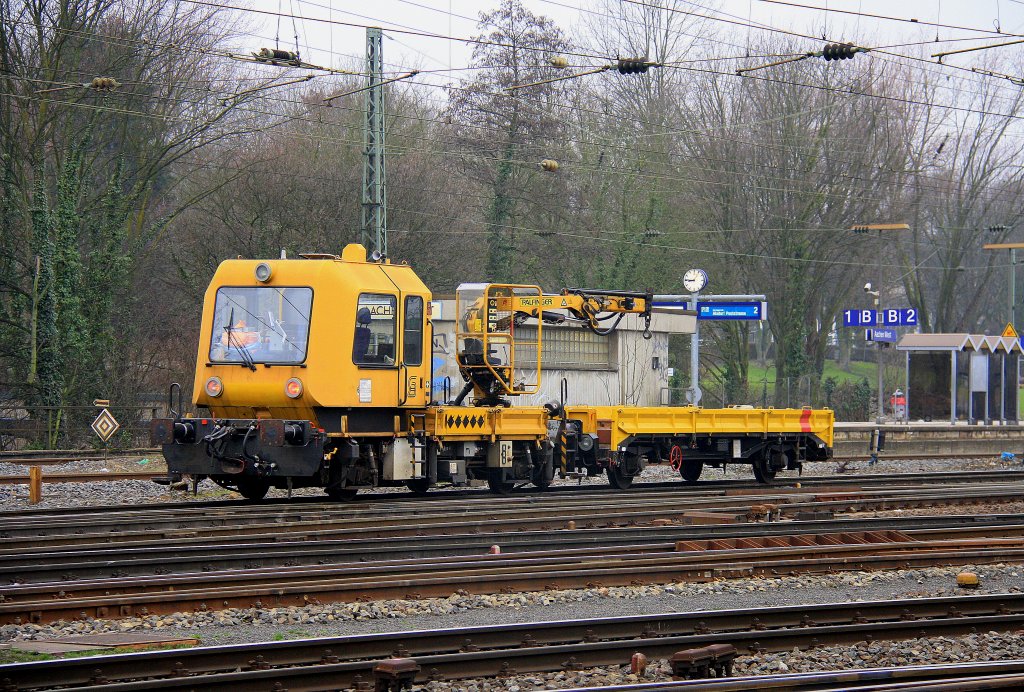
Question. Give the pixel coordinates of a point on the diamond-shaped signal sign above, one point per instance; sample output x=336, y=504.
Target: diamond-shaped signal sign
x=105, y=425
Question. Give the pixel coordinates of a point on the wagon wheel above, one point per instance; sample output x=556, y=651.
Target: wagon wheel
x=763, y=471
x=543, y=484
x=618, y=479
x=337, y=494
x=691, y=469
x=419, y=486
x=497, y=483
x=252, y=489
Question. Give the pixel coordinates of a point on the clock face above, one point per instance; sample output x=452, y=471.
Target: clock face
x=694, y=280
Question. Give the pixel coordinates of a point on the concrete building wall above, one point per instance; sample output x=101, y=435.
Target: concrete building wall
x=622, y=368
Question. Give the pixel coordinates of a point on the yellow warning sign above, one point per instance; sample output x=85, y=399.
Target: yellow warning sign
x=1010, y=331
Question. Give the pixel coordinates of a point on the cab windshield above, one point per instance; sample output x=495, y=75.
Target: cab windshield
x=261, y=324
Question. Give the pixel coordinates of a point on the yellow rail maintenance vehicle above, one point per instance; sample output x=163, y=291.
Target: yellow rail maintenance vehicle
x=316, y=372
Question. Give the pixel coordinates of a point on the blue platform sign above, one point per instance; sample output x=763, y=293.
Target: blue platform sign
x=730, y=311
x=860, y=318
x=889, y=336
x=715, y=310
x=899, y=316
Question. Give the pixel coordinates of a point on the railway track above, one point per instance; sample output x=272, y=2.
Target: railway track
x=96, y=477
x=109, y=563
x=951, y=677
x=694, y=560
x=782, y=484
x=870, y=480
x=161, y=557
x=49, y=457
x=479, y=652
x=247, y=522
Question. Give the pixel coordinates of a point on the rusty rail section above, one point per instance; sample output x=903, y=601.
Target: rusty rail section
x=439, y=577
x=161, y=557
x=523, y=648
x=240, y=523
x=945, y=677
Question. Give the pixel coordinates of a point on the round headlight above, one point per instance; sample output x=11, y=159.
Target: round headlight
x=263, y=272
x=214, y=387
x=293, y=388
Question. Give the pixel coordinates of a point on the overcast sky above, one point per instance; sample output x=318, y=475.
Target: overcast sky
x=338, y=45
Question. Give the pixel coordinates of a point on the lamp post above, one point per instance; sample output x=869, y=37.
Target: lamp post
x=877, y=295
x=1011, y=293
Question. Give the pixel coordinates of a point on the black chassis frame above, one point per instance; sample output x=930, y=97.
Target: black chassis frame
x=246, y=449
x=709, y=447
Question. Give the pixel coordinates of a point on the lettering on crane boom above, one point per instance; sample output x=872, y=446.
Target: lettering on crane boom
x=537, y=302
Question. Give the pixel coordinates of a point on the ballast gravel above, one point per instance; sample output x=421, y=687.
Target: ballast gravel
x=123, y=492
x=987, y=646
x=241, y=625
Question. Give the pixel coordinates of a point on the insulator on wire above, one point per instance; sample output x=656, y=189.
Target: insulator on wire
x=632, y=65
x=104, y=83
x=559, y=61
x=549, y=165
x=276, y=55
x=839, y=51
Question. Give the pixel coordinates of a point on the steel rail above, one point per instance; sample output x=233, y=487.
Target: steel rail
x=472, y=540
x=405, y=526
x=163, y=558
x=988, y=675
x=530, y=495
x=541, y=646
x=126, y=597
x=93, y=477
x=46, y=457
x=531, y=516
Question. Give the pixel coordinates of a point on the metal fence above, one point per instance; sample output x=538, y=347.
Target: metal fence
x=850, y=401
x=24, y=426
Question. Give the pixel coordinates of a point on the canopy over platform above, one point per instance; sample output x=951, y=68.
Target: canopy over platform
x=980, y=343
x=978, y=380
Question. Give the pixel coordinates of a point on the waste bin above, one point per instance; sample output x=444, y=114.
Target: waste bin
x=898, y=405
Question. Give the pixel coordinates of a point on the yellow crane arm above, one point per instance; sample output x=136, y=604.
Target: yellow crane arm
x=592, y=307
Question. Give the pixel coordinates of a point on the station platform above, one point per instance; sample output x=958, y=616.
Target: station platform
x=920, y=438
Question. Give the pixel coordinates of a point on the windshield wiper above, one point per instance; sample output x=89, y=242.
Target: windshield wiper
x=247, y=359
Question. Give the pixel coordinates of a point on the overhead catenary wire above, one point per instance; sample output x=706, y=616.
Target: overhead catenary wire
x=651, y=176
x=907, y=20
x=606, y=114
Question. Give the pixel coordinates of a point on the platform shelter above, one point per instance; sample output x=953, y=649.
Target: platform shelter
x=962, y=377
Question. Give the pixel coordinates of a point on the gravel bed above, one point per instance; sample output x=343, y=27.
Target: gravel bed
x=987, y=646
x=61, y=495
x=864, y=467
x=239, y=625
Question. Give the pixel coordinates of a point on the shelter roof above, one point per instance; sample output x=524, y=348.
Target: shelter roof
x=981, y=343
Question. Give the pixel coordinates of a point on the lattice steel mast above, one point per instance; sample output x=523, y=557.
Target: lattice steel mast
x=374, y=208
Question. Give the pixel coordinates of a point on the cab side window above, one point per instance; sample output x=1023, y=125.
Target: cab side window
x=374, y=336
x=412, y=338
